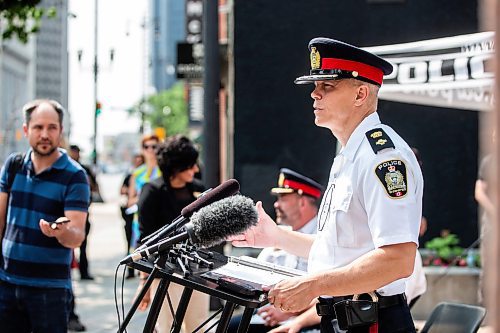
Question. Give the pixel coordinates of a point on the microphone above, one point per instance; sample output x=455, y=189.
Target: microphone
x=209, y=226
x=224, y=190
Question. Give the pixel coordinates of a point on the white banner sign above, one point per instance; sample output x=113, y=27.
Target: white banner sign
x=454, y=72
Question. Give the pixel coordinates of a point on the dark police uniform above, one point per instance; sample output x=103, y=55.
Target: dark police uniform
x=374, y=194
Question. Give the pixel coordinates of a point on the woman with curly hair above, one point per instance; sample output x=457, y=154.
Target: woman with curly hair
x=160, y=202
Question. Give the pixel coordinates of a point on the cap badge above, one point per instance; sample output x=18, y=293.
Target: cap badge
x=355, y=74
x=315, y=58
x=281, y=180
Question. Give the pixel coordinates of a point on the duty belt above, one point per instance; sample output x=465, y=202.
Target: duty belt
x=325, y=306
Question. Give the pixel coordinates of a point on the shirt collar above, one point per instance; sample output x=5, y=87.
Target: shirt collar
x=310, y=227
x=359, y=134
x=60, y=163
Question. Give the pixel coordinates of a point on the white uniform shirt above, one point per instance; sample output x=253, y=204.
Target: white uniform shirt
x=357, y=214
x=283, y=258
x=416, y=284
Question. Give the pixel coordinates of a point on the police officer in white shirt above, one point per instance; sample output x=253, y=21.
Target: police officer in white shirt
x=296, y=207
x=369, y=218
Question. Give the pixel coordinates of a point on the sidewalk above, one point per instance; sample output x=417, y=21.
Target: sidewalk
x=95, y=301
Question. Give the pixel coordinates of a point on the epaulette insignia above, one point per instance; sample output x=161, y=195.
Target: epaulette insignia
x=392, y=175
x=379, y=139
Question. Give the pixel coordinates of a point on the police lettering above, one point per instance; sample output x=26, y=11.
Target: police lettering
x=388, y=164
x=445, y=69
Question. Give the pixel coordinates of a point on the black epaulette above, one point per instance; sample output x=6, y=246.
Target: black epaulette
x=379, y=139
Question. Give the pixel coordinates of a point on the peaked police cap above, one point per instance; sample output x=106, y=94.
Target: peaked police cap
x=334, y=60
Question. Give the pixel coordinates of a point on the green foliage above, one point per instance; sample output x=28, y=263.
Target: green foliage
x=21, y=18
x=167, y=109
x=446, y=247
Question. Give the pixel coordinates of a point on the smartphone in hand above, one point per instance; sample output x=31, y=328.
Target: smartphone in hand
x=60, y=220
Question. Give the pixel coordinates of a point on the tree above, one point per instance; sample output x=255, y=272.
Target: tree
x=20, y=18
x=167, y=109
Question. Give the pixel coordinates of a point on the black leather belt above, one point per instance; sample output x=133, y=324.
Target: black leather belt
x=325, y=307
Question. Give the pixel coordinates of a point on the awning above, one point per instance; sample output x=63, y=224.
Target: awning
x=453, y=72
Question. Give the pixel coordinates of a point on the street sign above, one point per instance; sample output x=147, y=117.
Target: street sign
x=189, y=61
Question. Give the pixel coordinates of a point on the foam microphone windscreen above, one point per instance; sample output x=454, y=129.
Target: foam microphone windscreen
x=224, y=190
x=213, y=224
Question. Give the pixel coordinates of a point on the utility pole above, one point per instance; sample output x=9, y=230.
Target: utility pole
x=96, y=74
x=142, y=107
x=211, y=86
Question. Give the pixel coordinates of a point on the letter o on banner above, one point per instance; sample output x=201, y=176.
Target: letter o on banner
x=415, y=72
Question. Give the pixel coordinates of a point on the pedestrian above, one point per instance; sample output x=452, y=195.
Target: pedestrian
x=140, y=176
x=160, y=202
x=128, y=218
x=37, y=188
x=483, y=193
x=83, y=263
x=296, y=206
x=369, y=217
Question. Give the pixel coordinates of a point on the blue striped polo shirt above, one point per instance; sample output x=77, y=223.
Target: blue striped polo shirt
x=29, y=257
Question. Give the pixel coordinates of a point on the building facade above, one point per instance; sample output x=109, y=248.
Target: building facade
x=51, y=54
x=167, y=28
x=17, y=85
x=37, y=69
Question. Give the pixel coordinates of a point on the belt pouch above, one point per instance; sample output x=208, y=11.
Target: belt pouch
x=355, y=313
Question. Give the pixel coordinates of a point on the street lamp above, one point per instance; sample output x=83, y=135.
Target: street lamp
x=95, y=69
x=96, y=74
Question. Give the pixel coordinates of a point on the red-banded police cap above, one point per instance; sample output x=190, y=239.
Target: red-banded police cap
x=290, y=181
x=334, y=60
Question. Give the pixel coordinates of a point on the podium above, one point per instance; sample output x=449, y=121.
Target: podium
x=174, y=269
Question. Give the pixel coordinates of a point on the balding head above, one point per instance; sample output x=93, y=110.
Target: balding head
x=29, y=107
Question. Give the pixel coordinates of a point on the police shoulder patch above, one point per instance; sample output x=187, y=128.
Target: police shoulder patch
x=379, y=139
x=392, y=175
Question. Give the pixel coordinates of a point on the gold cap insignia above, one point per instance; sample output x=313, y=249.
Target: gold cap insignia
x=281, y=180
x=315, y=58
x=381, y=142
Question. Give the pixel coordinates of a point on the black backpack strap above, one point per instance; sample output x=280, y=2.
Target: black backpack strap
x=15, y=165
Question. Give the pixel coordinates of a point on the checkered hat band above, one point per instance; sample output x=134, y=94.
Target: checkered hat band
x=364, y=70
x=306, y=189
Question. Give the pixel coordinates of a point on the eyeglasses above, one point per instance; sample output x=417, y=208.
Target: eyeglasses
x=149, y=146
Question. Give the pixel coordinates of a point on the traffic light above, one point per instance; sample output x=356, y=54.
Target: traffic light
x=98, y=108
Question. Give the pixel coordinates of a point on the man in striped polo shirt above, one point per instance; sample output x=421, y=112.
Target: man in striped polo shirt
x=45, y=186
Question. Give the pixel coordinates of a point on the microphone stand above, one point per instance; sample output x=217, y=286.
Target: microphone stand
x=158, y=264
x=176, y=256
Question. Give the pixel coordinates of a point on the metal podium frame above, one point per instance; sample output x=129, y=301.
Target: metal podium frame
x=191, y=282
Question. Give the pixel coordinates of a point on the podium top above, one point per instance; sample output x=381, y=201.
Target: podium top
x=197, y=282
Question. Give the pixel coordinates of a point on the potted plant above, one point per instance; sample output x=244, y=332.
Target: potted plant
x=445, y=251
